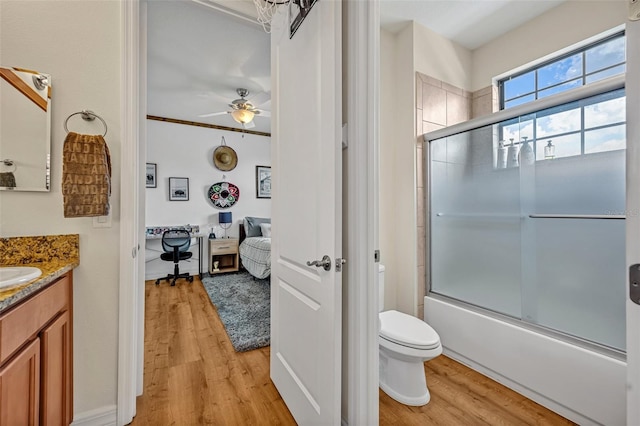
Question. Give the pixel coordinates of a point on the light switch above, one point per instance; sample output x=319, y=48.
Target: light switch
x=102, y=221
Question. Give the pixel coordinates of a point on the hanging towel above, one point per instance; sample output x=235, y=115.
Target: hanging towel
x=7, y=179
x=86, y=175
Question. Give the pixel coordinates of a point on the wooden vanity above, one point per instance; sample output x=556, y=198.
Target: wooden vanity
x=36, y=358
x=36, y=338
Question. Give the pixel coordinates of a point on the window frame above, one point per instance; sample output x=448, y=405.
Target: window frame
x=538, y=66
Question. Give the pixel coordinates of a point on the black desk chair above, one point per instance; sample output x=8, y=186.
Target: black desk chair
x=175, y=243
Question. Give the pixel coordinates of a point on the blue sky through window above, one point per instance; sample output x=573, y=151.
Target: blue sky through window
x=582, y=127
x=591, y=125
x=586, y=65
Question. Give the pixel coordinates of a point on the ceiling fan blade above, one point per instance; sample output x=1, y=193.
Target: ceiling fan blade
x=250, y=125
x=264, y=113
x=260, y=98
x=214, y=114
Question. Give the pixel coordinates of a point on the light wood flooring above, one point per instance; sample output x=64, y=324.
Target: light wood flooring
x=192, y=376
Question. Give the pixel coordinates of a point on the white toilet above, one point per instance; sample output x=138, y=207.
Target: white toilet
x=406, y=342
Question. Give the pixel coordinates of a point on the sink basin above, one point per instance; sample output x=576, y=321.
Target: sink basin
x=15, y=275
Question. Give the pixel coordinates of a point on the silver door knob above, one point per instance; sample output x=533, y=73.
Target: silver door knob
x=324, y=263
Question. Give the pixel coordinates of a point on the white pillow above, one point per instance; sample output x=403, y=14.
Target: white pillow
x=265, y=228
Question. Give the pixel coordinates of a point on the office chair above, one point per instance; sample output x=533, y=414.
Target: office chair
x=175, y=243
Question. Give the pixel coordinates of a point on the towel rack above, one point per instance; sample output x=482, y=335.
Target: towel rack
x=10, y=163
x=87, y=115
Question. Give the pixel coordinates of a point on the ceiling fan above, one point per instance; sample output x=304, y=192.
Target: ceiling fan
x=243, y=110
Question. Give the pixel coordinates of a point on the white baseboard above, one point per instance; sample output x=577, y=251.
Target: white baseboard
x=103, y=416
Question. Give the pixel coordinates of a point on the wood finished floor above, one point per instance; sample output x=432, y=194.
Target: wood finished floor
x=192, y=376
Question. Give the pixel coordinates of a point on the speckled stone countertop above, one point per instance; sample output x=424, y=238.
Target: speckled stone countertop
x=55, y=255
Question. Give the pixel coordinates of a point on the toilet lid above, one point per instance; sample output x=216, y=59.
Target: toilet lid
x=407, y=330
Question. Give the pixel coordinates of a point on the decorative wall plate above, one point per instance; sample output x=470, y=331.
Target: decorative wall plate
x=224, y=194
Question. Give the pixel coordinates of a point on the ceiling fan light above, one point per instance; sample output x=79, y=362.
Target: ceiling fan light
x=243, y=116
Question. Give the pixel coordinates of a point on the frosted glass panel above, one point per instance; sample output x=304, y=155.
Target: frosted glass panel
x=493, y=243
x=580, y=280
x=475, y=225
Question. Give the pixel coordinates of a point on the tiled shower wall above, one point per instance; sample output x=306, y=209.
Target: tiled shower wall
x=438, y=105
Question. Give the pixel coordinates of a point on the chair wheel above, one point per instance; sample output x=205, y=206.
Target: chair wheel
x=190, y=279
x=157, y=282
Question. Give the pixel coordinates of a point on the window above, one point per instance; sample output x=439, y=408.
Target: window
x=596, y=124
x=590, y=125
x=588, y=64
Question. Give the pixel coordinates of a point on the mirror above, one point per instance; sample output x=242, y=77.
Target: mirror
x=25, y=130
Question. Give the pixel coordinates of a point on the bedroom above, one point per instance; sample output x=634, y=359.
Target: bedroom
x=196, y=150
x=184, y=146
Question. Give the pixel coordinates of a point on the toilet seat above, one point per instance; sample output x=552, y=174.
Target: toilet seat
x=407, y=330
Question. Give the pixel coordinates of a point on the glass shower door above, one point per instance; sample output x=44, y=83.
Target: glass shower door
x=538, y=238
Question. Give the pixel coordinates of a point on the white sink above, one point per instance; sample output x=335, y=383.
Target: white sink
x=15, y=275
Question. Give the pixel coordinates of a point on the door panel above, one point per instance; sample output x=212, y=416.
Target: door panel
x=20, y=387
x=307, y=214
x=56, y=372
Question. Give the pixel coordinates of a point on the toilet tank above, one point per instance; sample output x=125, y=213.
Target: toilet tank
x=380, y=287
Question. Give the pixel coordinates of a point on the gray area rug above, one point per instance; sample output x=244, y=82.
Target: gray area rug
x=244, y=306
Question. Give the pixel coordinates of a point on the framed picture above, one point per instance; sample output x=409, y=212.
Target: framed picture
x=178, y=189
x=263, y=182
x=152, y=170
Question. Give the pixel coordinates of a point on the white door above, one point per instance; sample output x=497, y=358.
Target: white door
x=633, y=215
x=306, y=214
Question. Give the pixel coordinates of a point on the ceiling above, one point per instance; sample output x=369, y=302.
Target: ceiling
x=469, y=23
x=200, y=51
x=197, y=57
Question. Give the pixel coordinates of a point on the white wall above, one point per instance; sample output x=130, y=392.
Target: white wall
x=187, y=151
x=441, y=58
x=400, y=200
x=413, y=49
x=388, y=118
x=78, y=43
x=560, y=27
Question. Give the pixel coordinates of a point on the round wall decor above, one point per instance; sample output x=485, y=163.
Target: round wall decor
x=224, y=194
x=225, y=158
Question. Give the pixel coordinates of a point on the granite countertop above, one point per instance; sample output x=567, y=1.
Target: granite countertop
x=50, y=272
x=54, y=255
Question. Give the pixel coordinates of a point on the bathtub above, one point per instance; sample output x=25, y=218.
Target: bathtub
x=584, y=386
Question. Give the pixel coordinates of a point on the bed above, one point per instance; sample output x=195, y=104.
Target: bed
x=255, y=246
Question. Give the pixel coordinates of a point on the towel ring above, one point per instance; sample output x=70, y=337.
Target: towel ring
x=87, y=115
x=9, y=163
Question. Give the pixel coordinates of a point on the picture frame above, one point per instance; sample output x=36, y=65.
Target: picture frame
x=263, y=182
x=152, y=175
x=178, y=189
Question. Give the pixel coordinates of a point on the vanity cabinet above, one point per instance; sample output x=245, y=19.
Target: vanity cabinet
x=36, y=358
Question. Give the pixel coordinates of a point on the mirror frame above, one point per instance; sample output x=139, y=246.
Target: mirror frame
x=40, y=80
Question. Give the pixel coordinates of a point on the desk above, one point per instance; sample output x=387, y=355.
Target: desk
x=198, y=235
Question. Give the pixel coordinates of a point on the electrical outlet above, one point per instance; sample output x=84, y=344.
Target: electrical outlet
x=102, y=221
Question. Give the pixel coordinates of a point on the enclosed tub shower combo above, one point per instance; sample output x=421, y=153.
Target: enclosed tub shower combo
x=526, y=248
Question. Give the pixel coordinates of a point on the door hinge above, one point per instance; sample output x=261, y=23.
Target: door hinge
x=345, y=136
x=634, y=283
